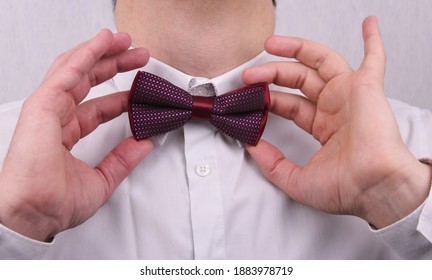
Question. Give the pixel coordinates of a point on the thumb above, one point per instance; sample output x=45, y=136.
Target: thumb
x=275, y=167
x=120, y=162
x=375, y=56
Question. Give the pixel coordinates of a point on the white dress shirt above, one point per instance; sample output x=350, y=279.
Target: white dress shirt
x=200, y=195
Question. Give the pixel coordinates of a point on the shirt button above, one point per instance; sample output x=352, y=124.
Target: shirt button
x=202, y=169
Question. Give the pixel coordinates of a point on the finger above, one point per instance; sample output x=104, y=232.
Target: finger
x=375, y=56
x=100, y=110
x=287, y=74
x=75, y=77
x=120, y=43
x=275, y=167
x=79, y=60
x=119, y=163
x=326, y=61
x=108, y=67
x=294, y=107
x=91, y=114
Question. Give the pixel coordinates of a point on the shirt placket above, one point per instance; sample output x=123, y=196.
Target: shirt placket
x=206, y=204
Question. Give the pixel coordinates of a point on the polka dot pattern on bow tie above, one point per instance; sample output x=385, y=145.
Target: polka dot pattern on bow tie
x=240, y=114
x=156, y=106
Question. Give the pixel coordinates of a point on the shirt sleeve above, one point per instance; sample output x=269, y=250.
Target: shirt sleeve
x=411, y=237
x=407, y=237
x=14, y=246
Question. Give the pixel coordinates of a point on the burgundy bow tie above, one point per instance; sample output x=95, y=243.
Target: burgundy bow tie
x=156, y=106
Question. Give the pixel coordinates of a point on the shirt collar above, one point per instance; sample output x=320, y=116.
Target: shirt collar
x=224, y=83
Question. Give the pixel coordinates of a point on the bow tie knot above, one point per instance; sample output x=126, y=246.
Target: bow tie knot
x=202, y=107
x=156, y=106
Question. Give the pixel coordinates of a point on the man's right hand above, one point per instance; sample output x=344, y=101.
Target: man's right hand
x=44, y=189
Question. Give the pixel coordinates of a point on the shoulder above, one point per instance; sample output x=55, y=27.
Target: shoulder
x=9, y=114
x=415, y=125
x=10, y=107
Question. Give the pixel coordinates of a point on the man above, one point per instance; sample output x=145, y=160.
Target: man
x=194, y=192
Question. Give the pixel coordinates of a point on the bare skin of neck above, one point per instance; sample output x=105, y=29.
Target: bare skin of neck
x=198, y=37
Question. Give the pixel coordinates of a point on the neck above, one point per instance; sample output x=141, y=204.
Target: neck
x=198, y=37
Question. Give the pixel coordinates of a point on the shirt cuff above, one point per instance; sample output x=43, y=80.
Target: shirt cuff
x=425, y=221
x=411, y=237
x=14, y=246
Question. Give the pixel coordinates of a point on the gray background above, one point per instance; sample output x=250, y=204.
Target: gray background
x=33, y=33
